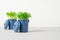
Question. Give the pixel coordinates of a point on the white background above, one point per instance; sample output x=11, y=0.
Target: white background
x=45, y=21
x=45, y=13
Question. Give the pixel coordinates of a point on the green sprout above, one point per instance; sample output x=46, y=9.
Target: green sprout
x=11, y=15
x=23, y=15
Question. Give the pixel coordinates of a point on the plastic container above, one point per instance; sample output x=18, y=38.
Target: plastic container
x=9, y=23
x=21, y=26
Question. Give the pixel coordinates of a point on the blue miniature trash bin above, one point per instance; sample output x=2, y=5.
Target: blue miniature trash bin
x=21, y=25
x=24, y=25
x=9, y=23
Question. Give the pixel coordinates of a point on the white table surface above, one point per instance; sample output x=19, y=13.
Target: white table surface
x=35, y=33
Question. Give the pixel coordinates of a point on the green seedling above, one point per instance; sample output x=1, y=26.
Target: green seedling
x=23, y=15
x=11, y=15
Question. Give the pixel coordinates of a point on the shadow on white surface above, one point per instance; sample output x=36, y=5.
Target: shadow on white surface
x=45, y=29
x=38, y=30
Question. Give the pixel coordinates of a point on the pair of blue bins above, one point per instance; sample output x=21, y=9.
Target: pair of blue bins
x=17, y=26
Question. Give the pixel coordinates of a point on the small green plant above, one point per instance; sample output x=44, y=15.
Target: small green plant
x=11, y=15
x=23, y=15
